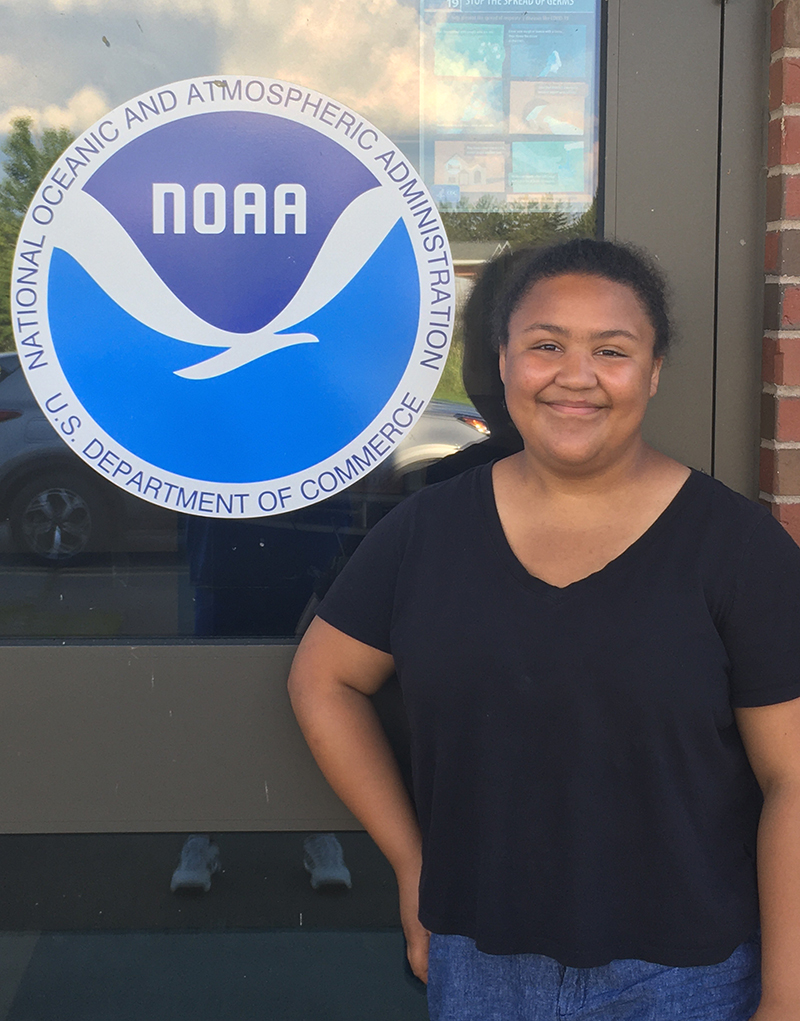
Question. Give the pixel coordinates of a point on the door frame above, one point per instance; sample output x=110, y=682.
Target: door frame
x=114, y=737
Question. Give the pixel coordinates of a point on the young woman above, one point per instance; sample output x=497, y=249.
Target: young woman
x=599, y=652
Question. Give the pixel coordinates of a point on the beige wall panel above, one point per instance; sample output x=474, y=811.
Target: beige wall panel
x=741, y=244
x=155, y=738
x=660, y=193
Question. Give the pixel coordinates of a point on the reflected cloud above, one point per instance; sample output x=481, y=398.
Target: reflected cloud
x=12, y=71
x=223, y=10
x=80, y=110
x=364, y=53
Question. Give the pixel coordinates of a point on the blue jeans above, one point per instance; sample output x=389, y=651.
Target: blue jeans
x=467, y=985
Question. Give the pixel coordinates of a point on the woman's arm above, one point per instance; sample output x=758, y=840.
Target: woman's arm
x=330, y=682
x=771, y=736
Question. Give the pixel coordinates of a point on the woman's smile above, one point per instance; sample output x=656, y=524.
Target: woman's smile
x=565, y=407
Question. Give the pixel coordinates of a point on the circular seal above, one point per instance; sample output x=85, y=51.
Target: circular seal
x=233, y=296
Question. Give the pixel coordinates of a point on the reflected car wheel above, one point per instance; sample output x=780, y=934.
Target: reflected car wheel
x=57, y=517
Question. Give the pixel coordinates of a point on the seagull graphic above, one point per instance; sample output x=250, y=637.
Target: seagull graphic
x=93, y=237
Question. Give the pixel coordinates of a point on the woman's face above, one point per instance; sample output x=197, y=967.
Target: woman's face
x=578, y=370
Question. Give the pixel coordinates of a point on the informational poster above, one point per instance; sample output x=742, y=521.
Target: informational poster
x=510, y=102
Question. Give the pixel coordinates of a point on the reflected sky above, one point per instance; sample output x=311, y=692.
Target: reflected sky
x=66, y=62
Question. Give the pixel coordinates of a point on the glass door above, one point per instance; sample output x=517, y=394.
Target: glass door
x=165, y=835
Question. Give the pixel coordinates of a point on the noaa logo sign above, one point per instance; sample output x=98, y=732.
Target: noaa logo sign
x=233, y=297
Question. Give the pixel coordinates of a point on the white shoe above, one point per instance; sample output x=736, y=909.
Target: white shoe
x=198, y=862
x=324, y=860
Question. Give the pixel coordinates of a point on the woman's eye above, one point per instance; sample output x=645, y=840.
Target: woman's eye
x=612, y=352
x=545, y=346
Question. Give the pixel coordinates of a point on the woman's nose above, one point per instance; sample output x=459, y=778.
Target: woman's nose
x=576, y=369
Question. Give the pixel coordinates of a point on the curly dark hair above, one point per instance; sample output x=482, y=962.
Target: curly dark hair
x=621, y=263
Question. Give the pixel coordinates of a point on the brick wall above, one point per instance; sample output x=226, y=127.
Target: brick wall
x=780, y=399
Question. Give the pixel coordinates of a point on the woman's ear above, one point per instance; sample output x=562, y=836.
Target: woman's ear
x=502, y=363
x=655, y=374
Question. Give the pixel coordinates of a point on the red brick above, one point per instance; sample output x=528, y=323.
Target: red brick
x=785, y=25
x=771, y=252
x=790, y=362
x=775, y=84
x=780, y=418
x=789, y=516
x=784, y=82
x=791, y=80
x=771, y=360
x=786, y=475
x=790, y=308
x=787, y=260
x=773, y=295
x=791, y=197
x=774, y=143
x=787, y=425
x=784, y=140
x=783, y=197
x=769, y=414
x=775, y=198
x=780, y=361
x=776, y=26
x=779, y=472
x=766, y=471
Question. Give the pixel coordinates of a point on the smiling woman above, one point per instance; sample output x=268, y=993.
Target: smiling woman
x=587, y=812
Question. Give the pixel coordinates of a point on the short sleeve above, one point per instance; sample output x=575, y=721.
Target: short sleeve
x=761, y=631
x=361, y=600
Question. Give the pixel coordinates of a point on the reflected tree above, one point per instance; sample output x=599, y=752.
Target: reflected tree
x=522, y=225
x=27, y=157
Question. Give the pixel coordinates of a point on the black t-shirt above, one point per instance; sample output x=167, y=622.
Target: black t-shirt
x=581, y=785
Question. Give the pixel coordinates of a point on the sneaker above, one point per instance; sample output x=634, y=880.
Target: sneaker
x=199, y=861
x=324, y=860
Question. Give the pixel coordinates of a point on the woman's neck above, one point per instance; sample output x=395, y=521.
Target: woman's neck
x=558, y=481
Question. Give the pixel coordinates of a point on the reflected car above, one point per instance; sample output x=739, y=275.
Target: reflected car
x=58, y=508
x=444, y=428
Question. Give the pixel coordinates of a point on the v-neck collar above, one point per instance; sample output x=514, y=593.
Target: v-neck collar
x=554, y=592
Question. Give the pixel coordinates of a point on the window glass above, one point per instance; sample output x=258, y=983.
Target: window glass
x=494, y=104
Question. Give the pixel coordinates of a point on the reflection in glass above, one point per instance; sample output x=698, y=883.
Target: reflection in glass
x=101, y=936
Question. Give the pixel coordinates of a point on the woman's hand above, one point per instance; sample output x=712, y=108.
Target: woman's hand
x=418, y=938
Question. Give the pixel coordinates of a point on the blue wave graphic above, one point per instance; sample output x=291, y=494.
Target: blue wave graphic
x=275, y=416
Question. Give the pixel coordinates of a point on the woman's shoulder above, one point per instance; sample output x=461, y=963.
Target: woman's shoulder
x=727, y=521
x=464, y=486
x=455, y=492
x=437, y=506
x=724, y=505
